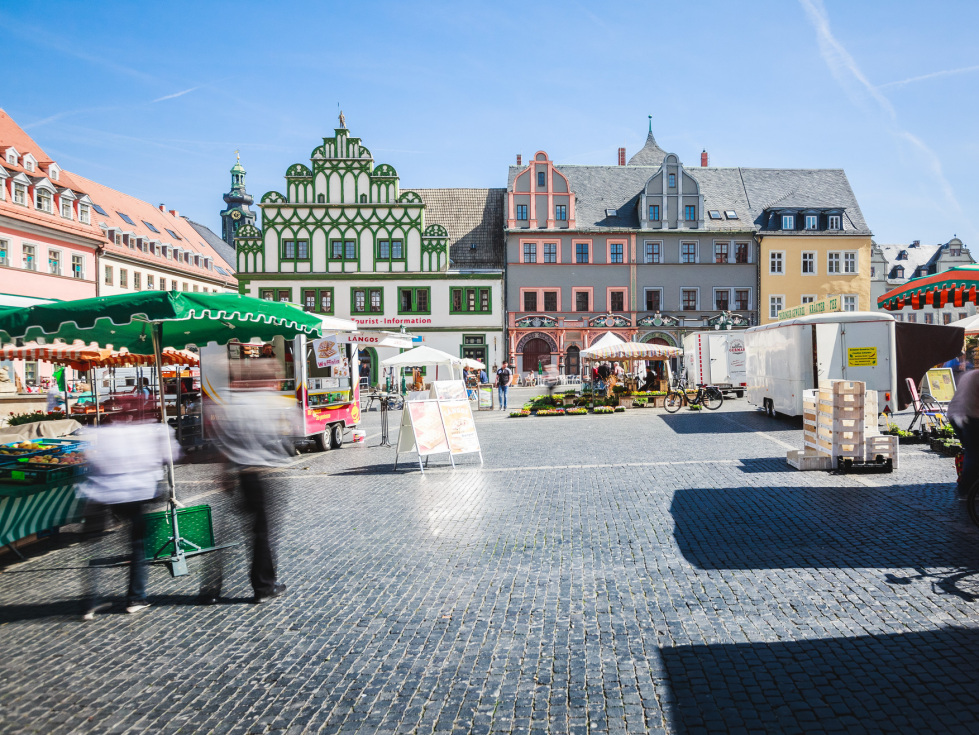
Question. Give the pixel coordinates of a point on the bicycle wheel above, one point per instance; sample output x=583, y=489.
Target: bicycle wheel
x=972, y=503
x=713, y=398
x=674, y=399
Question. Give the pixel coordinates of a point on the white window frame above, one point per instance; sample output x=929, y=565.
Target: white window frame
x=21, y=189
x=79, y=274
x=696, y=251
x=108, y=275
x=23, y=252
x=12, y=156
x=812, y=219
x=843, y=301
x=43, y=194
x=813, y=255
x=781, y=262
x=690, y=288
x=834, y=262
x=773, y=312
x=851, y=257
x=730, y=298
x=124, y=278
x=5, y=248
x=71, y=213
x=647, y=255
x=810, y=296
x=834, y=222
x=84, y=214
x=788, y=221
x=56, y=254
x=150, y=282
x=647, y=290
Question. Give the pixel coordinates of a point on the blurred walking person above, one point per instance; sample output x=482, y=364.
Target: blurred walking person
x=126, y=466
x=963, y=414
x=254, y=430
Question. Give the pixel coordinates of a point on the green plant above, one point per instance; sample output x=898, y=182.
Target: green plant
x=694, y=406
x=551, y=412
x=603, y=409
x=17, y=419
x=639, y=402
x=620, y=409
x=519, y=414
x=576, y=412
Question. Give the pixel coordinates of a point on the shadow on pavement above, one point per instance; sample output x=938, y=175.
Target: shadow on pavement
x=72, y=608
x=811, y=527
x=764, y=464
x=913, y=682
x=727, y=422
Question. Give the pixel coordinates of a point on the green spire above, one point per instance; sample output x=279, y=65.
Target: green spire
x=237, y=167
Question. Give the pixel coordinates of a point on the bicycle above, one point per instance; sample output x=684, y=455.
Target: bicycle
x=707, y=396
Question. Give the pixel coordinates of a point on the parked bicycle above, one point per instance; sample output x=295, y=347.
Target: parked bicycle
x=708, y=396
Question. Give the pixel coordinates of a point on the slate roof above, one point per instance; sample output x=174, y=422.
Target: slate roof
x=470, y=216
x=224, y=251
x=748, y=191
x=918, y=256
x=649, y=155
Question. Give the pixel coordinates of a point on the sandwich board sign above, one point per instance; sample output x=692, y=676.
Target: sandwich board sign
x=422, y=431
x=460, y=429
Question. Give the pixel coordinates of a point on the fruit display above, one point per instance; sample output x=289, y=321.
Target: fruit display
x=70, y=458
x=19, y=449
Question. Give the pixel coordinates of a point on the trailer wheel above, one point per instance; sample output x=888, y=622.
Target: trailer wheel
x=336, y=436
x=322, y=441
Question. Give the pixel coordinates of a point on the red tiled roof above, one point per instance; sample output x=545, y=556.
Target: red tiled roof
x=115, y=203
x=11, y=134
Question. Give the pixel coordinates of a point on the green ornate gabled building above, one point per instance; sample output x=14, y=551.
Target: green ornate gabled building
x=342, y=238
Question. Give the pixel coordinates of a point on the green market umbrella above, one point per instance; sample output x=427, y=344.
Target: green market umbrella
x=124, y=321
x=146, y=322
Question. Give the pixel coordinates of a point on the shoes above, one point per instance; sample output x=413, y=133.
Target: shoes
x=278, y=589
x=90, y=613
x=137, y=607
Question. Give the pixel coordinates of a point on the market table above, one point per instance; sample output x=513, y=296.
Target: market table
x=27, y=509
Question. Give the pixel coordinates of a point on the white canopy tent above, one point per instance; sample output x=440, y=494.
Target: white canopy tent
x=970, y=324
x=422, y=357
x=606, y=339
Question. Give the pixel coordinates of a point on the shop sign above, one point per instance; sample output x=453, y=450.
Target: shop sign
x=825, y=306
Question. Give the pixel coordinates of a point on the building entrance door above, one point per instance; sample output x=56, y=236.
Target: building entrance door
x=536, y=352
x=572, y=363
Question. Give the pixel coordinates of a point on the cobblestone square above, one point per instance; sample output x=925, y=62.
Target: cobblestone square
x=629, y=573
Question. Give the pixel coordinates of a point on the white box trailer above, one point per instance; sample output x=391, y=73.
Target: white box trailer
x=785, y=358
x=716, y=358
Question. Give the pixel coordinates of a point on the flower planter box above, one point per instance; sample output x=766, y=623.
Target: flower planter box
x=626, y=401
x=657, y=401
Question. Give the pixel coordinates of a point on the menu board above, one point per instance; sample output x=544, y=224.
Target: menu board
x=449, y=390
x=427, y=427
x=460, y=429
x=485, y=397
x=940, y=384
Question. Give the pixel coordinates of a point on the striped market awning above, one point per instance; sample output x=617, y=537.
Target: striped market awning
x=956, y=286
x=83, y=357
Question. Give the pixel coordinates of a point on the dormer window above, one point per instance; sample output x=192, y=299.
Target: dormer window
x=118, y=238
x=899, y=271
x=730, y=214
x=11, y=156
x=788, y=221
x=83, y=214
x=20, y=194
x=834, y=222
x=53, y=172
x=44, y=200
x=66, y=208
x=28, y=164
x=715, y=214
x=812, y=221
x=903, y=255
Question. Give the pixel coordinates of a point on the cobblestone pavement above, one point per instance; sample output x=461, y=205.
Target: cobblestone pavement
x=623, y=574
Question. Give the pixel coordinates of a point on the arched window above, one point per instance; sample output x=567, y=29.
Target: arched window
x=321, y=199
x=572, y=362
x=363, y=199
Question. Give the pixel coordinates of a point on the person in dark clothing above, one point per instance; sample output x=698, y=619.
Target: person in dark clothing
x=604, y=371
x=254, y=432
x=963, y=413
x=651, y=381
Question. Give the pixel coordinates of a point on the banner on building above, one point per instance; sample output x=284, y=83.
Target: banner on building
x=824, y=306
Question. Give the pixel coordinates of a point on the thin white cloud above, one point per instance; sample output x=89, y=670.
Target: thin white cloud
x=176, y=94
x=933, y=75
x=847, y=72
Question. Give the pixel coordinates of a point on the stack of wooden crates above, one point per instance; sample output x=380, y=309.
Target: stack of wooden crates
x=840, y=420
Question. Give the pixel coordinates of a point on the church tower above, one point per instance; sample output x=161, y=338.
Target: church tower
x=238, y=201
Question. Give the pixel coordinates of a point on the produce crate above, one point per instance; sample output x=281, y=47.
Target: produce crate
x=871, y=413
x=195, y=525
x=33, y=473
x=844, y=387
x=807, y=460
x=884, y=446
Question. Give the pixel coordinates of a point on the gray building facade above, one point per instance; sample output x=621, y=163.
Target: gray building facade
x=649, y=250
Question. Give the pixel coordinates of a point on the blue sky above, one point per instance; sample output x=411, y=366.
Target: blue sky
x=156, y=104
